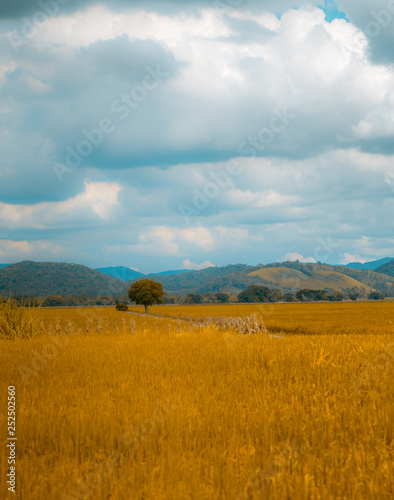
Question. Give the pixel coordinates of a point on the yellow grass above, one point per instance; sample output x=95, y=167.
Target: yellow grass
x=161, y=410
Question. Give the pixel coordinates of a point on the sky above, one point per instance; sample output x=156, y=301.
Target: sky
x=179, y=135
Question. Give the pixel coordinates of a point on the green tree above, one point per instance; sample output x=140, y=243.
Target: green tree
x=375, y=295
x=146, y=293
x=222, y=297
x=335, y=296
x=193, y=298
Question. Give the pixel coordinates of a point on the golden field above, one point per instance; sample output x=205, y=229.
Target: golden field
x=161, y=409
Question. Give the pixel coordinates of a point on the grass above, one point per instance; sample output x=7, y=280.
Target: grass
x=158, y=409
x=17, y=321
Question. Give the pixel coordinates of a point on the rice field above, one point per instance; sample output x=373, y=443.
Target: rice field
x=112, y=405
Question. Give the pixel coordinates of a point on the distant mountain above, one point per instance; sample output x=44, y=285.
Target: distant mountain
x=285, y=277
x=387, y=268
x=120, y=273
x=169, y=273
x=47, y=278
x=4, y=265
x=42, y=279
x=206, y=280
x=373, y=265
x=127, y=274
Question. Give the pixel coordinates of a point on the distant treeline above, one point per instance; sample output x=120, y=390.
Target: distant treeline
x=251, y=294
x=256, y=293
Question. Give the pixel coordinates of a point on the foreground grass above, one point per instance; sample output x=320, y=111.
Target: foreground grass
x=161, y=411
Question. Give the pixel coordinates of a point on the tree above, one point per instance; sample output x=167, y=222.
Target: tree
x=146, y=293
x=335, y=296
x=375, y=295
x=222, y=297
x=193, y=298
x=255, y=293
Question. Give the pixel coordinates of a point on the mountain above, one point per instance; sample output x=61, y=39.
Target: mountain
x=169, y=273
x=121, y=272
x=387, y=268
x=127, y=274
x=371, y=266
x=286, y=277
x=47, y=278
x=205, y=280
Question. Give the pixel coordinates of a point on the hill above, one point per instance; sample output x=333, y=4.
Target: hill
x=370, y=266
x=387, y=268
x=127, y=274
x=295, y=276
x=120, y=273
x=379, y=281
x=169, y=273
x=292, y=279
x=47, y=278
x=205, y=280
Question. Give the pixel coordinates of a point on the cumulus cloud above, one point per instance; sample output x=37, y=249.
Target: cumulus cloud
x=187, y=264
x=297, y=96
x=349, y=258
x=292, y=257
x=95, y=203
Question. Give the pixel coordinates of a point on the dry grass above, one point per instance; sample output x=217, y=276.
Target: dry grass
x=17, y=321
x=163, y=410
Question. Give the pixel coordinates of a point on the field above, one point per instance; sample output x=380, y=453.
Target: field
x=118, y=406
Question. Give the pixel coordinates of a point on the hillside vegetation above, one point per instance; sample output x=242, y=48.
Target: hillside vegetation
x=285, y=277
x=46, y=278
x=387, y=268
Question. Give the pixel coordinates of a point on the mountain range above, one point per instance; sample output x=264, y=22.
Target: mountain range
x=41, y=279
x=371, y=266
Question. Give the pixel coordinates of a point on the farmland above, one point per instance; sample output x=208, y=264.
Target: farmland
x=112, y=405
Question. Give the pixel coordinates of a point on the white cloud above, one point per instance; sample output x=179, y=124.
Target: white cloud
x=349, y=258
x=292, y=257
x=187, y=264
x=98, y=198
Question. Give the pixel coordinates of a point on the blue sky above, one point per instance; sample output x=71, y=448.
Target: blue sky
x=166, y=134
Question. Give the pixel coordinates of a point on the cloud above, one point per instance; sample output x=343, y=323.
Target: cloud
x=303, y=106
x=292, y=257
x=348, y=258
x=94, y=204
x=187, y=264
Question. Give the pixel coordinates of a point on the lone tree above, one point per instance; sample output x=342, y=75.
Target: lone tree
x=146, y=293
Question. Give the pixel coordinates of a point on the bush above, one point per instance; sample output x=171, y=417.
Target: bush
x=122, y=307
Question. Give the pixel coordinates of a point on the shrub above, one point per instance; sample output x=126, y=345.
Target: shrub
x=122, y=307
